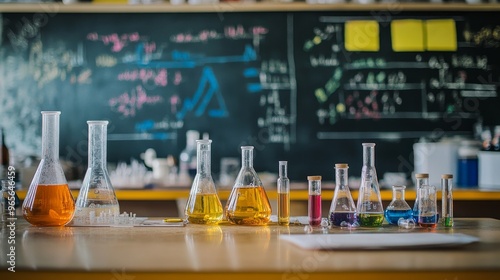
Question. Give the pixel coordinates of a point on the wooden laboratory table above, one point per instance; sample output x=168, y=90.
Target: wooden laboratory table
x=237, y=252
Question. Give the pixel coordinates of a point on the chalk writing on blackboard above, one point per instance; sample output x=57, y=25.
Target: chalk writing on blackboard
x=208, y=88
x=128, y=103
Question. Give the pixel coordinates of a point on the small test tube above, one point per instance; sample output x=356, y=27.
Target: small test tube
x=283, y=195
x=314, y=205
x=447, y=200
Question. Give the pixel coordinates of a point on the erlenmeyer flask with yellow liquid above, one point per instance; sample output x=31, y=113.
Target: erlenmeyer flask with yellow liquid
x=49, y=201
x=248, y=203
x=203, y=205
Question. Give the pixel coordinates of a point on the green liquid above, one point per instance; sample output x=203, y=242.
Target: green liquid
x=371, y=220
x=448, y=222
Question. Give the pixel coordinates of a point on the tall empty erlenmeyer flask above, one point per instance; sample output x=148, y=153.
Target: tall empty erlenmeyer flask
x=248, y=203
x=97, y=196
x=203, y=205
x=369, y=208
x=49, y=201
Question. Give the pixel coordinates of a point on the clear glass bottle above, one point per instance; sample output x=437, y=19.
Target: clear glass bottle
x=187, y=158
x=398, y=208
x=248, y=203
x=420, y=180
x=342, y=210
x=97, y=196
x=203, y=205
x=48, y=201
x=283, y=185
x=427, y=207
x=314, y=201
x=369, y=208
x=447, y=200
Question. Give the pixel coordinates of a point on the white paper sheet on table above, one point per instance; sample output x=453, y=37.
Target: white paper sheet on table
x=378, y=241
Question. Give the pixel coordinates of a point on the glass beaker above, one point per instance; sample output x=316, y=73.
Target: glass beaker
x=398, y=208
x=248, y=203
x=97, y=196
x=283, y=185
x=427, y=207
x=49, y=201
x=342, y=210
x=314, y=203
x=369, y=208
x=203, y=205
x=420, y=180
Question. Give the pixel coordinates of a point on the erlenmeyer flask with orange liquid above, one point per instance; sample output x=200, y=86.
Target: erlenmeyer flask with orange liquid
x=248, y=203
x=49, y=201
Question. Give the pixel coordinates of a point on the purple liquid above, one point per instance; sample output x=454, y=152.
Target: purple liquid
x=314, y=210
x=336, y=218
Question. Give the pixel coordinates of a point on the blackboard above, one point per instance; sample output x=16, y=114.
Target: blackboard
x=284, y=82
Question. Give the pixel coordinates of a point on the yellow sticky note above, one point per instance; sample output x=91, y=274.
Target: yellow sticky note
x=441, y=35
x=407, y=35
x=362, y=35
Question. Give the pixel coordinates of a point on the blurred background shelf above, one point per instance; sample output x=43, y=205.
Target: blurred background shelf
x=238, y=7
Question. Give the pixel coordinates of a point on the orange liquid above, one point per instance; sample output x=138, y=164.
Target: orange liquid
x=248, y=206
x=49, y=205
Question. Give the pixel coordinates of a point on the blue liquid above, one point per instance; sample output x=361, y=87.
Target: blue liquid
x=392, y=216
x=415, y=216
x=336, y=218
x=428, y=219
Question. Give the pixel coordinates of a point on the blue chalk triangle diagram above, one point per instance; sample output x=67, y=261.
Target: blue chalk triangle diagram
x=208, y=88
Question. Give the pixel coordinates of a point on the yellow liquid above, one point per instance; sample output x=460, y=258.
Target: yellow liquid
x=284, y=209
x=248, y=206
x=207, y=210
x=49, y=205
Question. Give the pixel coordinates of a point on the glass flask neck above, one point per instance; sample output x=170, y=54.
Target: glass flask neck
x=341, y=177
x=398, y=193
x=203, y=154
x=283, y=169
x=421, y=181
x=368, y=154
x=97, y=143
x=314, y=185
x=247, y=156
x=50, y=135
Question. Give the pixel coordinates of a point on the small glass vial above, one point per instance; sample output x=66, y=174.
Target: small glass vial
x=398, y=208
x=314, y=205
x=427, y=207
x=342, y=210
x=420, y=180
x=203, y=205
x=447, y=200
x=248, y=203
x=283, y=185
x=96, y=197
x=49, y=201
x=369, y=208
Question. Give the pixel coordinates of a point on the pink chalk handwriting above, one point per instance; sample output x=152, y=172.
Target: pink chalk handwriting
x=117, y=42
x=174, y=101
x=157, y=76
x=177, y=78
x=128, y=104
